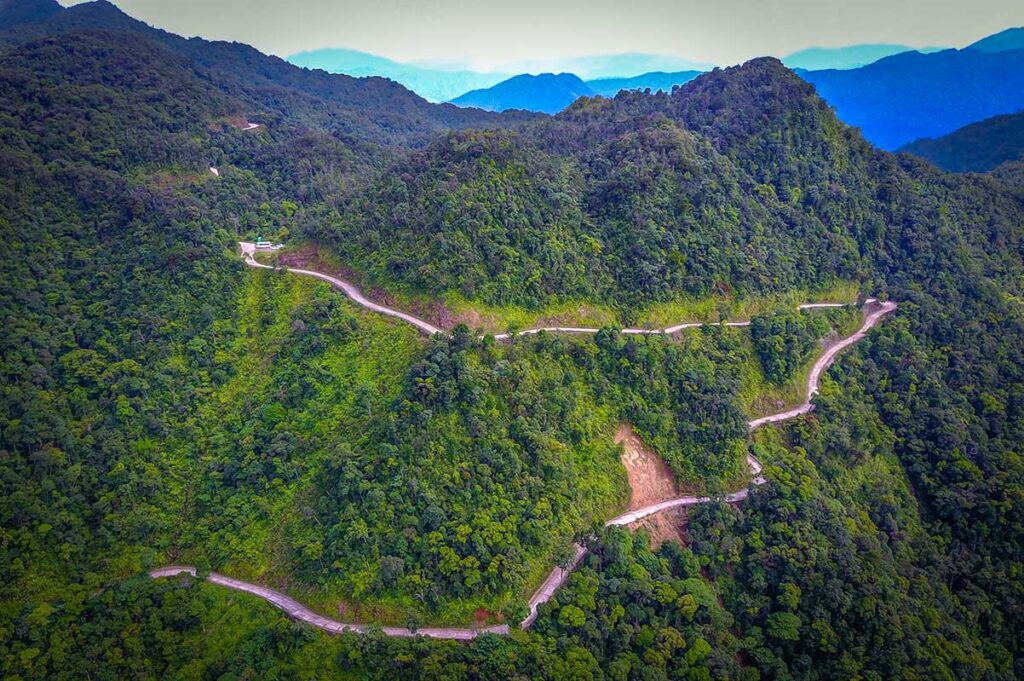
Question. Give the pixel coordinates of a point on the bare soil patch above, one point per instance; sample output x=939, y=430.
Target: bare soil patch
x=483, y=617
x=651, y=481
x=666, y=526
x=650, y=478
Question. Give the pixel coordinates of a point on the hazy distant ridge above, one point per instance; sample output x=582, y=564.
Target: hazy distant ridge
x=438, y=85
x=847, y=57
x=442, y=84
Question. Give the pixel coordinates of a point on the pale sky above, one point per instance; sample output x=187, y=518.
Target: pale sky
x=487, y=33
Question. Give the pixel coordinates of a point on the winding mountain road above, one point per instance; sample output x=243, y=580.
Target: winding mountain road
x=299, y=612
x=248, y=250
x=874, y=310
x=248, y=254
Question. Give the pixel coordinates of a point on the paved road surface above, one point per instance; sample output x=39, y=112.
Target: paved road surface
x=875, y=311
x=249, y=249
x=298, y=611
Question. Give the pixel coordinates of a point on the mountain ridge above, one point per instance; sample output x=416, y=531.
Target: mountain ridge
x=406, y=113
x=977, y=147
x=909, y=96
x=164, y=403
x=1009, y=39
x=547, y=93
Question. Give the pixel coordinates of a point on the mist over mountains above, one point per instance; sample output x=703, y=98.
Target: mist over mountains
x=893, y=93
x=437, y=85
x=442, y=84
x=848, y=57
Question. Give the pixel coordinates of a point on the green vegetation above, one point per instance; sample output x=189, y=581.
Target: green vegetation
x=161, y=402
x=734, y=308
x=759, y=395
x=307, y=371
x=492, y=218
x=497, y=455
x=783, y=340
x=452, y=307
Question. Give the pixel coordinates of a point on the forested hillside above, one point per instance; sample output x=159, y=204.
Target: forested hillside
x=979, y=147
x=163, y=403
x=740, y=182
x=366, y=108
x=1010, y=174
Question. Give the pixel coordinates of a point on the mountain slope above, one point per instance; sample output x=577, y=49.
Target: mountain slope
x=160, y=402
x=1011, y=174
x=370, y=108
x=547, y=93
x=718, y=186
x=909, y=96
x=978, y=147
x=743, y=180
x=1010, y=39
x=656, y=80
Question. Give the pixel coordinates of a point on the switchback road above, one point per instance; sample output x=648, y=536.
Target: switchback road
x=874, y=311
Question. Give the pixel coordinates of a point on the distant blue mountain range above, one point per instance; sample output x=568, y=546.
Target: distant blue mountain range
x=849, y=57
x=894, y=94
x=1010, y=39
x=550, y=93
x=910, y=96
x=437, y=85
x=978, y=147
x=443, y=84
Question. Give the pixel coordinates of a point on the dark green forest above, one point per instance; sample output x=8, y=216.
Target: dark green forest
x=163, y=403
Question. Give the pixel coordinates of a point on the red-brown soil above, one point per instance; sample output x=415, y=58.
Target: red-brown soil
x=651, y=481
